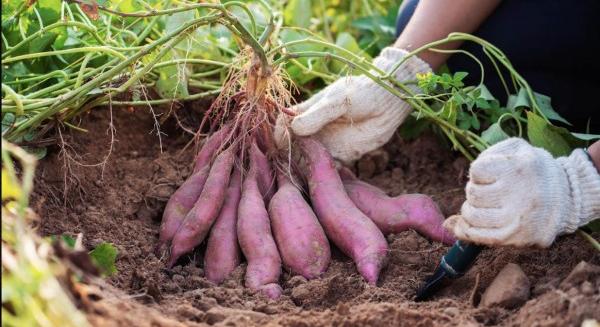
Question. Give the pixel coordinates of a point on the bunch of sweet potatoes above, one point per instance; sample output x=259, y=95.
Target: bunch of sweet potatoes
x=245, y=207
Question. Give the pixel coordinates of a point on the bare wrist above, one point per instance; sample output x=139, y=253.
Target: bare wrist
x=594, y=153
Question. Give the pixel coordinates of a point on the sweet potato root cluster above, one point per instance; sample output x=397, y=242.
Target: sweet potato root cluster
x=260, y=213
x=248, y=200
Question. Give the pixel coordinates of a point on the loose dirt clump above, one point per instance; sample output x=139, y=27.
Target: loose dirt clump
x=122, y=203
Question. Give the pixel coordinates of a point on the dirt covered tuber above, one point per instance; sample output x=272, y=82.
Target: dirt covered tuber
x=198, y=221
x=394, y=215
x=300, y=238
x=256, y=239
x=180, y=203
x=222, y=250
x=353, y=232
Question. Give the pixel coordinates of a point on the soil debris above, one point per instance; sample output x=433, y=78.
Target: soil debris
x=124, y=206
x=510, y=289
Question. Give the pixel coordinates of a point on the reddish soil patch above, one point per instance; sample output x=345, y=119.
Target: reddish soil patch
x=123, y=204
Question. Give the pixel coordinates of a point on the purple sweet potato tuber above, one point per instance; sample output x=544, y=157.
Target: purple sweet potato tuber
x=180, y=203
x=255, y=237
x=394, y=215
x=210, y=147
x=198, y=221
x=300, y=238
x=222, y=249
x=353, y=232
x=266, y=182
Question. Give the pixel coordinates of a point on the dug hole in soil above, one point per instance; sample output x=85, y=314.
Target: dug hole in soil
x=122, y=202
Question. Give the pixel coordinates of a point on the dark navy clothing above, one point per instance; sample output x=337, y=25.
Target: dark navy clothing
x=553, y=44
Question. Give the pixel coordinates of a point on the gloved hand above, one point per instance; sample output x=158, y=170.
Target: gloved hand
x=520, y=195
x=354, y=115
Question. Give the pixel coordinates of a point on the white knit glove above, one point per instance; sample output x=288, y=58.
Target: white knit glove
x=354, y=115
x=520, y=195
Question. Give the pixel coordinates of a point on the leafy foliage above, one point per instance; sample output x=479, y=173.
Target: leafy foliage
x=104, y=256
x=31, y=292
x=475, y=109
x=64, y=57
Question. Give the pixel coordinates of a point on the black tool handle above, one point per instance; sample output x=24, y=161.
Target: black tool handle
x=460, y=258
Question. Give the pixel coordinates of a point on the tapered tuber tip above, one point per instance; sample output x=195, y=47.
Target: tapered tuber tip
x=175, y=254
x=370, y=267
x=272, y=291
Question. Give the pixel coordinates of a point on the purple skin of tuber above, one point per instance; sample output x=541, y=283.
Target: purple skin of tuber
x=222, y=250
x=353, y=232
x=272, y=291
x=183, y=200
x=198, y=221
x=300, y=238
x=180, y=203
x=210, y=147
x=266, y=182
x=255, y=237
x=397, y=214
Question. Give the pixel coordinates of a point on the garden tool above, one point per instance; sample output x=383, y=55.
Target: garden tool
x=452, y=265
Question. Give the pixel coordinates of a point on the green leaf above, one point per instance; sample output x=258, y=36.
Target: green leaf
x=298, y=13
x=174, y=21
x=295, y=72
x=475, y=122
x=172, y=82
x=348, y=42
x=449, y=112
x=42, y=43
x=69, y=241
x=484, y=93
x=541, y=134
x=459, y=76
x=49, y=10
x=494, y=134
x=521, y=100
x=37, y=152
x=104, y=256
x=544, y=102
x=8, y=120
x=482, y=103
x=586, y=137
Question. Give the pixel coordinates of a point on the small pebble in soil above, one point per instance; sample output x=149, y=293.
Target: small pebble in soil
x=300, y=294
x=452, y=311
x=295, y=281
x=171, y=287
x=179, y=279
x=587, y=288
x=510, y=289
x=582, y=272
x=214, y=316
x=206, y=303
x=342, y=309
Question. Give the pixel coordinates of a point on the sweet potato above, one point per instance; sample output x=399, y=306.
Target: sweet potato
x=353, y=232
x=210, y=147
x=300, y=238
x=255, y=237
x=222, y=249
x=264, y=177
x=180, y=203
x=393, y=215
x=197, y=222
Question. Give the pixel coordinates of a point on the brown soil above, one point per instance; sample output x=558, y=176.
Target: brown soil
x=123, y=204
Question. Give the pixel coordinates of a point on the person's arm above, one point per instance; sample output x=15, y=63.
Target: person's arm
x=435, y=19
x=594, y=151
